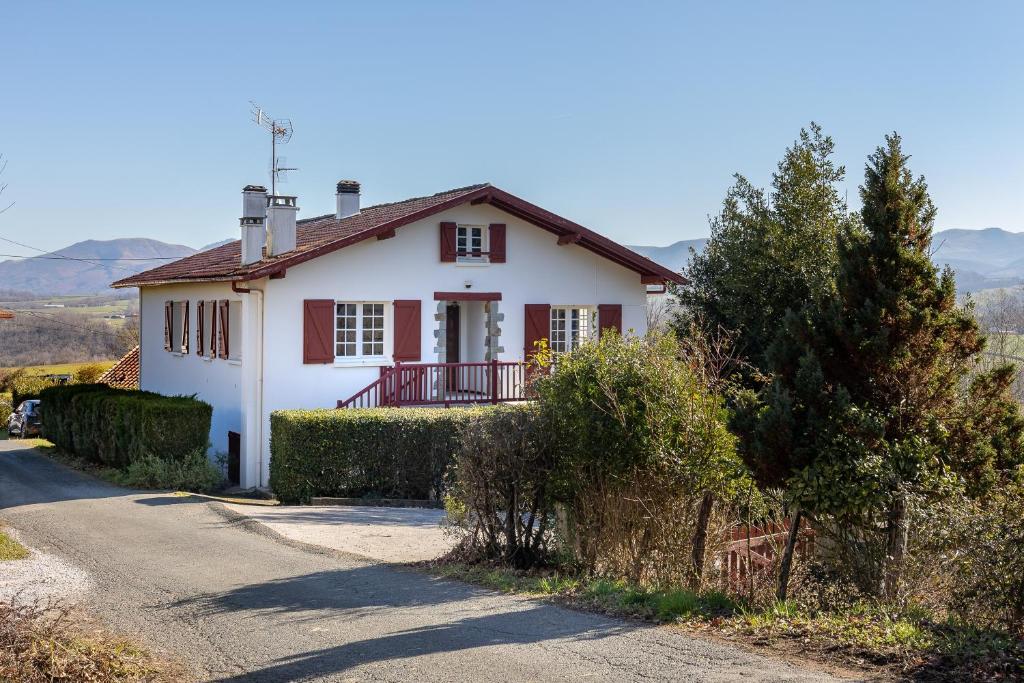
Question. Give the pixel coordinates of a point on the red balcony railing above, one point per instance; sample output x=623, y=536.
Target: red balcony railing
x=443, y=384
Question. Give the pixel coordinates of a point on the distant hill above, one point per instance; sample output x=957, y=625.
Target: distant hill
x=675, y=256
x=78, y=269
x=982, y=259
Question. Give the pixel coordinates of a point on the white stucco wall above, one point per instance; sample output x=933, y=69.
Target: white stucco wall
x=215, y=381
x=407, y=266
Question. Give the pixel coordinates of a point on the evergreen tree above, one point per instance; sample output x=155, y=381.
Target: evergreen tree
x=870, y=400
x=769, y=252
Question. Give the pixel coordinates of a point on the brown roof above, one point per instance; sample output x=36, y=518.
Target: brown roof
x=324, y=234
x=5, y=314
x=125, y=373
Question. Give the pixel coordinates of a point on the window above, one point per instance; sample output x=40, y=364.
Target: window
x=469, y=243
x=359, y=330
x=570, y=327
x=176, y=326
x=206, y=336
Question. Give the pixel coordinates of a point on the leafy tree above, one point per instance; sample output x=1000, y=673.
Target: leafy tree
x=870, y=400
x=769, y=251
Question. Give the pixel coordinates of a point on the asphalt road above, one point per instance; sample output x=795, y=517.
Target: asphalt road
x=236, y=605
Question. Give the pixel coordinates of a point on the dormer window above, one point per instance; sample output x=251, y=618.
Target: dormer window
x=470, y=244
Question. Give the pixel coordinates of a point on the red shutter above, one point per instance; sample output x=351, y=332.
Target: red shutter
x=168, y=318
x=538, y=326
x=213, y=328
x=184, y=327
x=497, y=246
x=609, y=316
x=448, y=242
x=200, y=316
x=407, y=330
x=317, y=331
x=224, y=315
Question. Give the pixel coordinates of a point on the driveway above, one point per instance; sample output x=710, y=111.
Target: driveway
x=379, y=533
x=240, y=606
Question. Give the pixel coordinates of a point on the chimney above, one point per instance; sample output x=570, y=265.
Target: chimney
x=348, y=199
x=281, y=229
x=253, y=223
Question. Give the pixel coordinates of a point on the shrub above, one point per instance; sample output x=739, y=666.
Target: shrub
x=194, y=473
x=643, y=457
x=89, y=373
x=503, y=469
x=382, y=452
x=117, y=427
x=6, y=405
x=25, y=387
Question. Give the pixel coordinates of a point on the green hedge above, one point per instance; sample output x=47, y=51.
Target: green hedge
x=117, y=427
x=6, y=407
x=378, y=452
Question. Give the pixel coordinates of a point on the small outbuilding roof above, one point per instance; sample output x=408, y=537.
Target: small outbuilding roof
x=125, y=373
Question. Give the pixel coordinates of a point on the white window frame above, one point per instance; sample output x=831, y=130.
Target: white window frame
x=360, y=357
x=585, y=327
x=463, y=236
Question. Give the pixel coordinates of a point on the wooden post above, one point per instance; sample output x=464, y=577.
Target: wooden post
x=494, y=381
x=398, y=383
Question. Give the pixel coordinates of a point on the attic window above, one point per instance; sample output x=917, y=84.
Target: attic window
x=470, y=246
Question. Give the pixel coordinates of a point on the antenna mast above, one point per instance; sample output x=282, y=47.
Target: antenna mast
x=280, y=132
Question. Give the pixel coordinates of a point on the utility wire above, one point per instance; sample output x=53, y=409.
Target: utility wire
x=43, y=316
x=69, y=258
x=58, y=257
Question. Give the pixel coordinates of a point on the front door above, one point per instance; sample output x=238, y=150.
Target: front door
x=452, y=334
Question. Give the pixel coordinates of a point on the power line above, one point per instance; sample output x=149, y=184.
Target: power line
x=58, y=257
x=69, y=258
x=43, y=316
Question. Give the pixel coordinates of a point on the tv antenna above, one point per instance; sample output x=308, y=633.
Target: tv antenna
x=280, y=133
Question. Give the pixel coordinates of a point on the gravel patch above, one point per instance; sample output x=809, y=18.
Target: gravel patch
x=385, y=534
x=39, y=577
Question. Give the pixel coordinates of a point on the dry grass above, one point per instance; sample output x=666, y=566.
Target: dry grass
x=10, y=549
x=45, y=643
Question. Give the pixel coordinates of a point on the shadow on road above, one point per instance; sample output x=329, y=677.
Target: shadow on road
x=345, y=598
x=27, y=478
x=533, y=625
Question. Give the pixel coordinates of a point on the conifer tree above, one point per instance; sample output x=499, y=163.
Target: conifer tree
x=869, y=401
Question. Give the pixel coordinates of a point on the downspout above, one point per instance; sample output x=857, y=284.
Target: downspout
x=258, y=362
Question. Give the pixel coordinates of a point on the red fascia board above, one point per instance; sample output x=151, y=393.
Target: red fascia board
x=467, y=296
x=382, y=229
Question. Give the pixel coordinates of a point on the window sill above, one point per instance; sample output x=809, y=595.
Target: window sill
x=234, y=361
x=472, y=264
x=361, y=363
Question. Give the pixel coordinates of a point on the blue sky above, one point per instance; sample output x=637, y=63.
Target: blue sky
x=131, y=119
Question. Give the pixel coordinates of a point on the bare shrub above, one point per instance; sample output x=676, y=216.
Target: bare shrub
x=504, y=485
x=40, y=643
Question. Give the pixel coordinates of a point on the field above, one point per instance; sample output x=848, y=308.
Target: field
x=62, y=368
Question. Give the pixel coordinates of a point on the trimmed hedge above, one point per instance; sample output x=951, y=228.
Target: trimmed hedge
x=373, y=452
x=118, y=427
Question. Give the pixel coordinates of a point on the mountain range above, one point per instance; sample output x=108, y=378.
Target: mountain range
x=982, y=259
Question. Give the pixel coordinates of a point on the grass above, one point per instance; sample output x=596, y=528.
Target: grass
x=62, y=368
x=900, y=640
x=10, y=549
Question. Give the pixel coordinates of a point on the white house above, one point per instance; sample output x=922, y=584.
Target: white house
x=318, y=312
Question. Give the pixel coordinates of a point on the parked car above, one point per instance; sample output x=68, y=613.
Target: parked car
x=26, y=420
